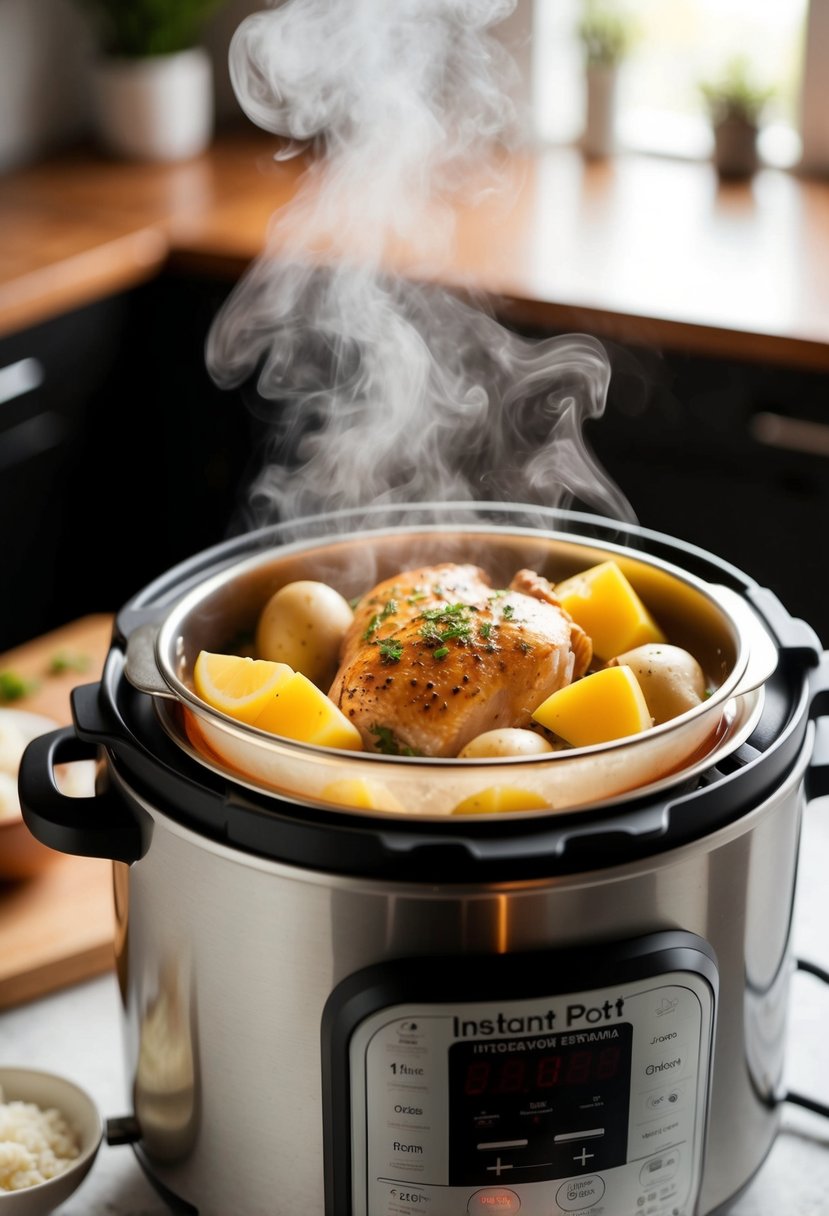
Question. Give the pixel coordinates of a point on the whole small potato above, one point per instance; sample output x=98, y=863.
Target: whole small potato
x=671, y=679
x=303, y=625
x=509, y=741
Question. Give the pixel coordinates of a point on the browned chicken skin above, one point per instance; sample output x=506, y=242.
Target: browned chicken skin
x=436, y=656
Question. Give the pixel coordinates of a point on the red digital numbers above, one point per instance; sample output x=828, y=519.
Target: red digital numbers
x=578, y=1068
x=477, y=1078
x=511, y=1078
x=547, y=1072
x=607, y=1064
x=522, y=1074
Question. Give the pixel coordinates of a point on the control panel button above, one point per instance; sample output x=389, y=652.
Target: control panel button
x=499, y=1166
x=668, y=1098
x=493, y=1199
x=578, y=1193
x=667, y=1065
x=660, y=1169
x=408, y=1155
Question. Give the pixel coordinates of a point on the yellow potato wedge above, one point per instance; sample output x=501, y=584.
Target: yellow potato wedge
x=361, y=793
x=608, y=704
x=608, y=609
x=299, y=710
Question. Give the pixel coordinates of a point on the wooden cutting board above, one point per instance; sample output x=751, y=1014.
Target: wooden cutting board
x=58, y=927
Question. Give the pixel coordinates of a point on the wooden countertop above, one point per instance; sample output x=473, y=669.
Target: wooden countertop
x=56, y=927
x=638, y=249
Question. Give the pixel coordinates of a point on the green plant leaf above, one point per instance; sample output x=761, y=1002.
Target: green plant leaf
x=606, y=32
x=736, y=93
x=142, y=28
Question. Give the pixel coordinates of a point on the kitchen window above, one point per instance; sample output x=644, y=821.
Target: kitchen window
x=677, y=45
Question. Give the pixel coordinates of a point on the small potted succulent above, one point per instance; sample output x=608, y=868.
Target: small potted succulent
x=606, y=34
x=153, y=81
x=735, y=102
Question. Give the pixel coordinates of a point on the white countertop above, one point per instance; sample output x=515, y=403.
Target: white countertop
x=77, y=1033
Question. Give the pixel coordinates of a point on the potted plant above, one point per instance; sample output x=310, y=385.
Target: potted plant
x=735, y=103
x=153, y=82
x=606, y=34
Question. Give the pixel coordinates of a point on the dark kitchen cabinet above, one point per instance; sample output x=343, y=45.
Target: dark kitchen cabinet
x=182, y=446
x=701, y=449
x=50, y=377
x=118, y=457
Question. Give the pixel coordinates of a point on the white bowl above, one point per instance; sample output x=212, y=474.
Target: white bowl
x=46, y=1090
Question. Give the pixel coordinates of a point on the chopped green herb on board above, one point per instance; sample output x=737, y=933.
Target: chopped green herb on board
x=13, y=686
x=68, y=660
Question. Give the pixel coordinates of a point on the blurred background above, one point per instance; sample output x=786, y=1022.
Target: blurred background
x=672, y=200
x=49, y=47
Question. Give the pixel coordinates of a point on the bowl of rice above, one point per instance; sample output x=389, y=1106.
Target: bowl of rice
x=50, y=1132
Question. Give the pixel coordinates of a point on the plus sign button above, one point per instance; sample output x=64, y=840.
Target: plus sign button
x=580, y=1193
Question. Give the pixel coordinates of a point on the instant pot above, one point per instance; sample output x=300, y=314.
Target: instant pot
x=389, y=1010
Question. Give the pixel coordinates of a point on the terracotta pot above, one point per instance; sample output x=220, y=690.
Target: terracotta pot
x=158, y=108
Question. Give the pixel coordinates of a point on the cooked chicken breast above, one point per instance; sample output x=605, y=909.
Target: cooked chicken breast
x=436, y=656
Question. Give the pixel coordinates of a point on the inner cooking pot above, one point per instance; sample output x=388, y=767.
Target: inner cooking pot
x=352, y=551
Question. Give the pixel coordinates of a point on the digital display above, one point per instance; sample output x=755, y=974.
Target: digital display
x=523, y=1074
x=539, y=1107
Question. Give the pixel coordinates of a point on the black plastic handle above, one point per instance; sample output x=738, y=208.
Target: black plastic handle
x=817, y=775
x=99, y=826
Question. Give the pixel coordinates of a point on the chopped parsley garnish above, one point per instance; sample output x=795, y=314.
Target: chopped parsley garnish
x=389, y=609
x=446, y=624
x=485, y=630
x=461, y=631
x=443, y=615
x=389, y=744
x=391, y=651
x=441, y=652
x=509, y=612
x=524, y=646
x=415, y=597
x=371, y=627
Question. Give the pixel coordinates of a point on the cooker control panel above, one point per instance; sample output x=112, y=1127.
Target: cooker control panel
x=591, y=1101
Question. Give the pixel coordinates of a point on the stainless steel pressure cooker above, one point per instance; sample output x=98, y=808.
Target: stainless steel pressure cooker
x=395, y=1009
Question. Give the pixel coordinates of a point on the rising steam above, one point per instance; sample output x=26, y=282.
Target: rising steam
x=377, y=387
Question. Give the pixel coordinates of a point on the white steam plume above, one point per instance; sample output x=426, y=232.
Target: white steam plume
x=374, y=387
x=407, y=95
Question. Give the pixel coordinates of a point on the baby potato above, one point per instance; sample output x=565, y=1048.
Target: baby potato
x=303, y=625
x=509, y=741
x=671, y=679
